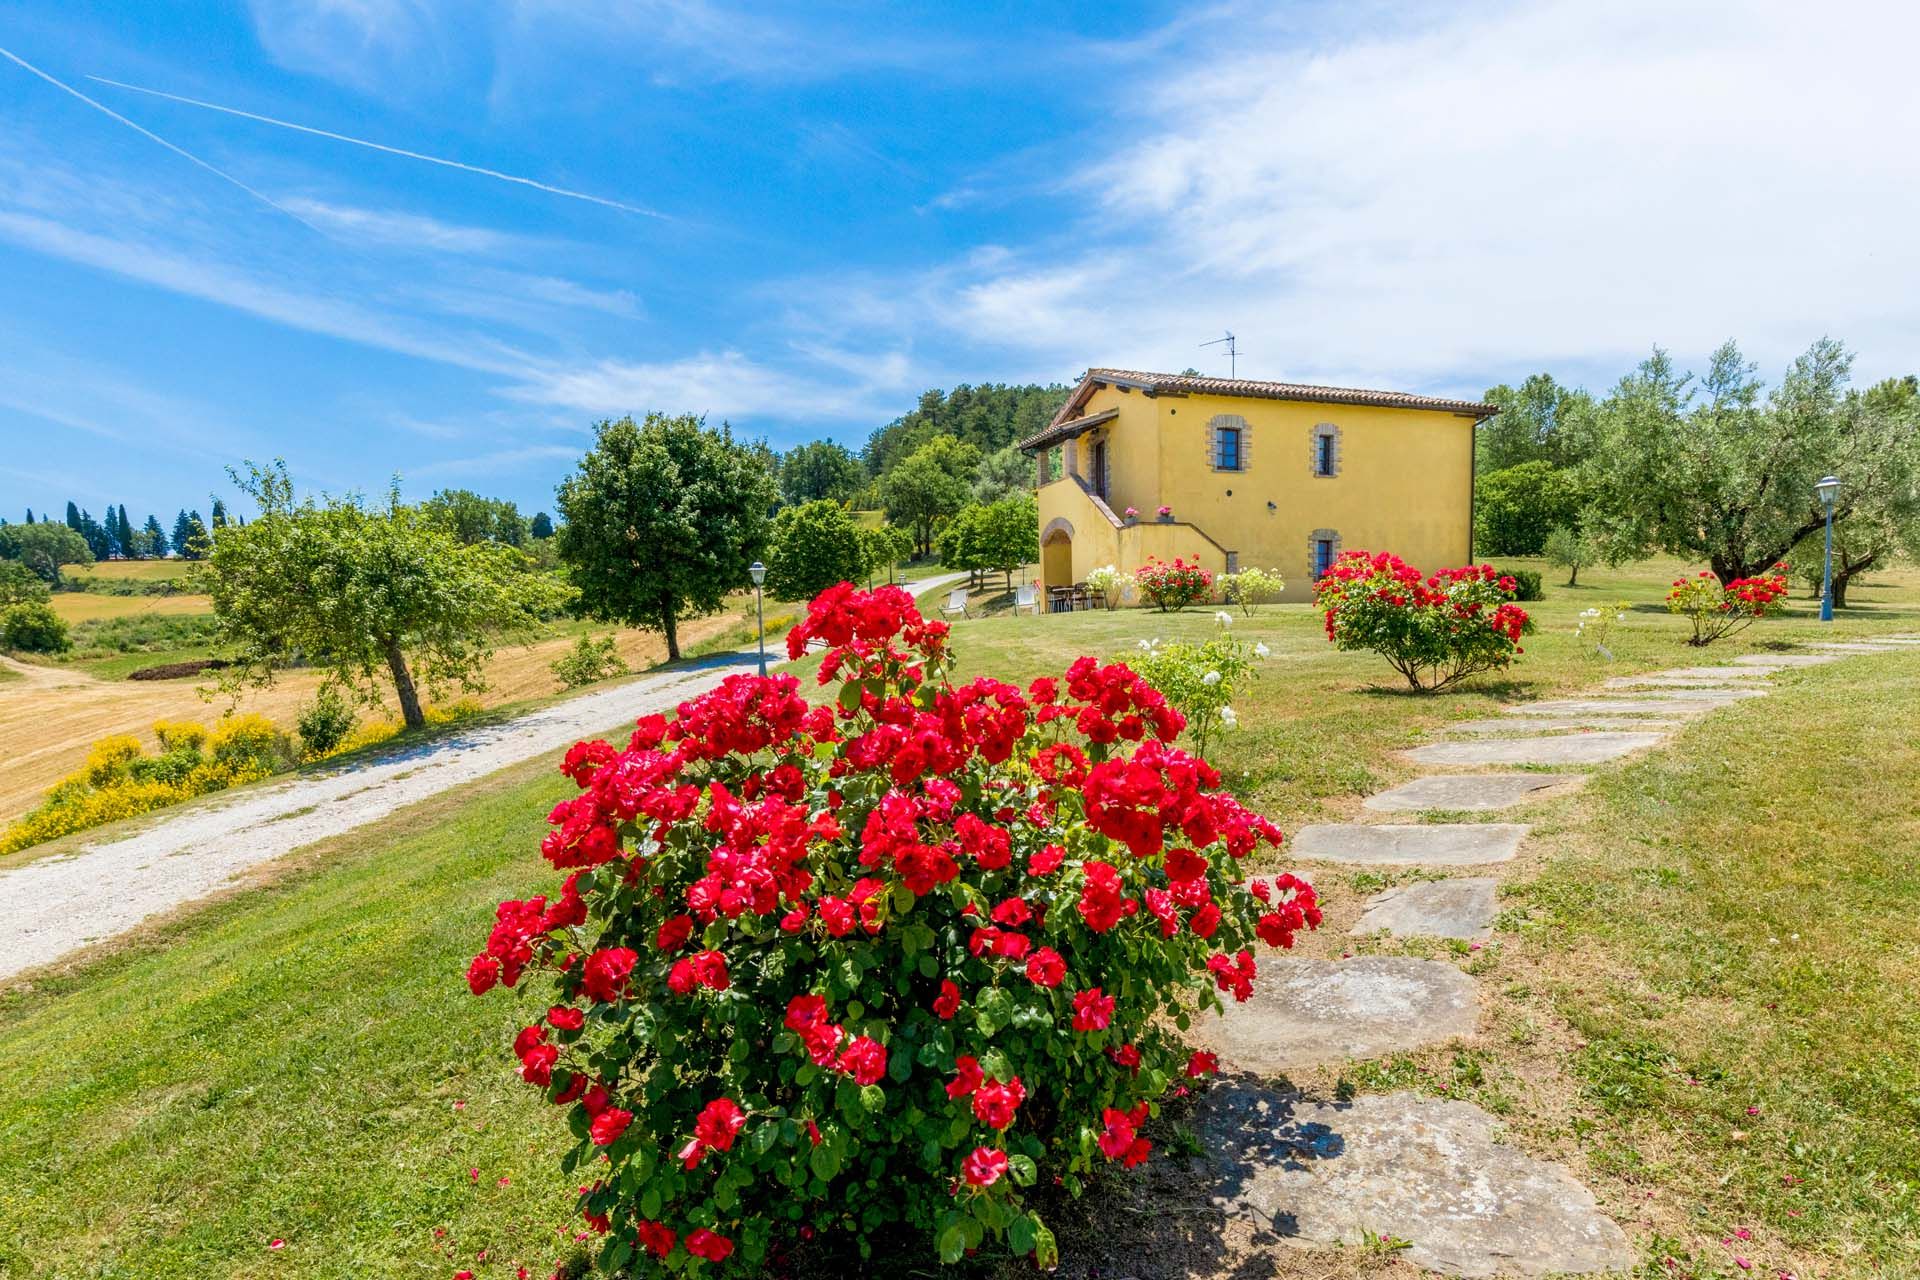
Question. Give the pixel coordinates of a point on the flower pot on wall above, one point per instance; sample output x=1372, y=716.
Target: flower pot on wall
x=1167, y=519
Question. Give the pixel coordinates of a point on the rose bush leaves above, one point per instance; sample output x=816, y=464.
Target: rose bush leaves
x=896, y=958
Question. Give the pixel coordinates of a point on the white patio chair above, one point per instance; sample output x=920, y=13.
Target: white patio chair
x=1027, y=596
x=956, y=603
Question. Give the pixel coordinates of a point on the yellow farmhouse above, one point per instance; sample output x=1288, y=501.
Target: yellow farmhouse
x=1269, y=475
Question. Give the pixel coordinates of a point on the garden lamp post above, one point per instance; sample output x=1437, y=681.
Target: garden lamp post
x=759, y=573
x=1828, y=488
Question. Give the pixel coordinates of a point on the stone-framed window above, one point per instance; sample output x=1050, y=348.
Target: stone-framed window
x=1228, y=442
x=1324, y=450
x=1233, y=562
x=1323, y=548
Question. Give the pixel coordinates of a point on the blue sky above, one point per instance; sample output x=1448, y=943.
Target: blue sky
x=817, y=212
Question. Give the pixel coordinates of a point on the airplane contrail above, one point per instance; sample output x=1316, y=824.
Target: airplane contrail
x=380, y=146
x=149, y=134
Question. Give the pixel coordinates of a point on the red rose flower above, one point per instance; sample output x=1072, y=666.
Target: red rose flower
x=702, y=1243
x=605, y=976
x=865, y=1059
x=966, y=1076
x=1092, y=1010
x=713, y=1130
x=563, y=1018
x=482, y=974
x=984, y=1167
x=657, y=1238
x=1045, y=967
x=609, y=1125
x=1202, y=1063
x=994, y=1103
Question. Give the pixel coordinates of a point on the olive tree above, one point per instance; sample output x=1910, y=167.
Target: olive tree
x=44, y=548
x=1720, y=472
x=374, y=594
x=663, y=518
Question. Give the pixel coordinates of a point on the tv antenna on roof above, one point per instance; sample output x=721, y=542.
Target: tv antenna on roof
x=1233, y=353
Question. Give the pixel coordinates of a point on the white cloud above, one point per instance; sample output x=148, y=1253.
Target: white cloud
x=357, y=42
x=397, y=229
x=724, y=384
x=227, y=286
x=1483, y=189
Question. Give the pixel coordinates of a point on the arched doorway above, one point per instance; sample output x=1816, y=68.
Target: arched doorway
x=1056, y=554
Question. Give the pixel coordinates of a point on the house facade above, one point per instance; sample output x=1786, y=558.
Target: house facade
x=1268, y=475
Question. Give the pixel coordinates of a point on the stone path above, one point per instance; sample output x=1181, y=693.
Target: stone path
x=1465, y=792
x=1462, y=907
x=1565, y=748
x=1456, y=844
x=1541, y=724
x=1424, y=1170
x=1431, y=1172
x=1305, y=1013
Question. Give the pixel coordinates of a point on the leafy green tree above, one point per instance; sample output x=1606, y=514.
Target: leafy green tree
x=1002, y=474
x=542, y=526
x=363, y=591
x=990, y=417
x=930, y=485
x=996, y=537
x=155, y=538
x=1515, y=509
x=1539, y=421
x=813, y=547
x=189, y=536
x=1718, y=472
x=21, y=585
x=883, y=548
x=44, y=548
x=662, y=519
x=219, y=514
x=1884, y=521
x=1572, y=550
x=472, y=518
x=820, y=469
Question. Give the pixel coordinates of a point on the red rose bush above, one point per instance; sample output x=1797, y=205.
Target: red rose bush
x=1172, y=586
x=1436, y=629
x=1716, y=611
x=894, y=958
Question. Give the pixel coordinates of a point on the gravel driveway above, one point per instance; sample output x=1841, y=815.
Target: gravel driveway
x=58, y=904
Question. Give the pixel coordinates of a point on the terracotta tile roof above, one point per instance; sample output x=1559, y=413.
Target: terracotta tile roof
x=1066, y=430
x=1186, y=384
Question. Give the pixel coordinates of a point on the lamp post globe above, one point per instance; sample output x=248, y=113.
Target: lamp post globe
x=758, y=572
x=1827, y=488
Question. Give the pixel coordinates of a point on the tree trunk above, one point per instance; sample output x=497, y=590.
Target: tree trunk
x=403, y=685
x=667, y=626
x=1573, y=576
x=1843, y=573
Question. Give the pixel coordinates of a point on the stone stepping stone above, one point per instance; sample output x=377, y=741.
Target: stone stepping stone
x=1462, y=908
x=1541, y=724
x=1711, y=673
x=1440, y=844
x=1565, y=748
x=1901, y=641
x=1786, y=659
x=1648, y=705
x=1476, y=791
x=1742, y=678
x=1704, y=693
x=1430, y=1171
x=1307, y=1013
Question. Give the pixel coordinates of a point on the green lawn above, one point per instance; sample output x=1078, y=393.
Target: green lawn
x=287, y=1064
